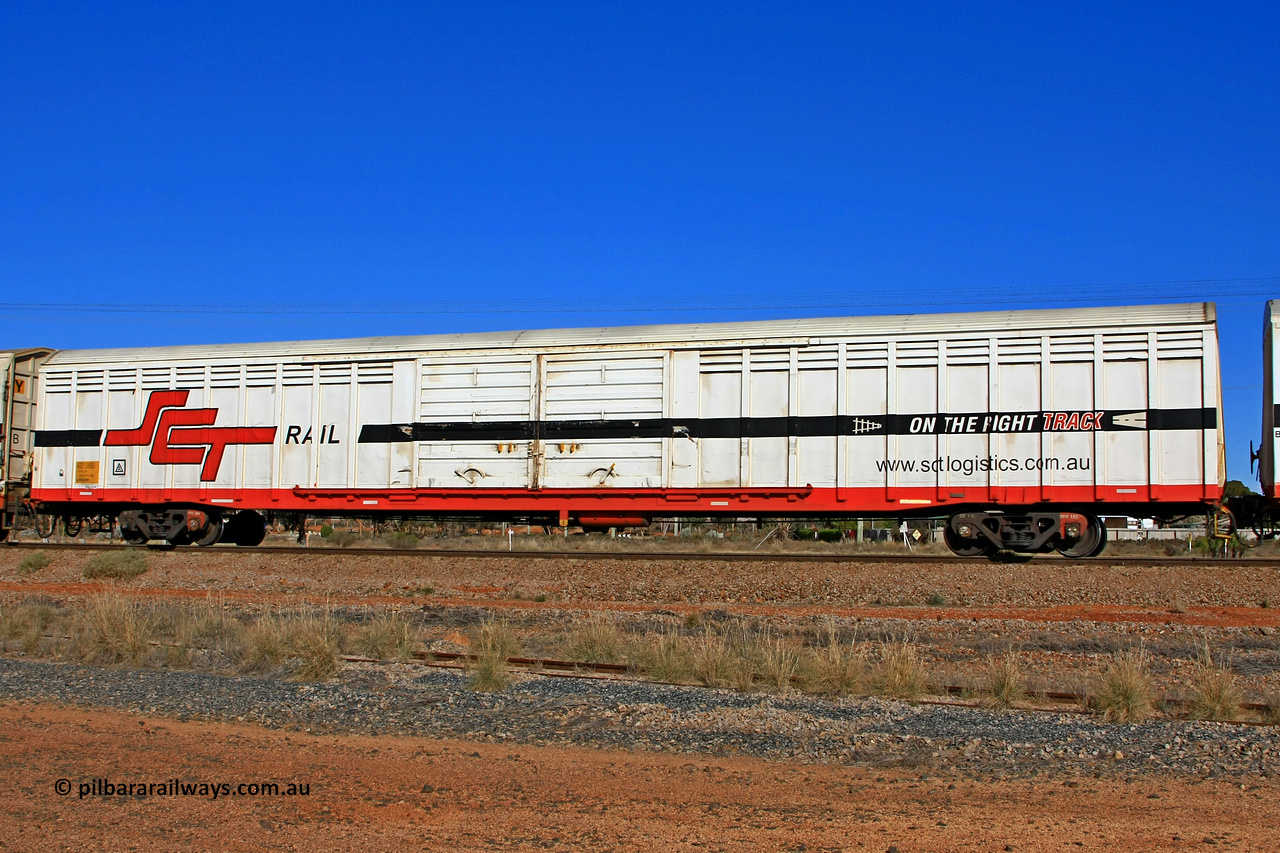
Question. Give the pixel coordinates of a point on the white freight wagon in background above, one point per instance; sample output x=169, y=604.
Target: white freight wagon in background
x=17, y=427
x=1019, y=426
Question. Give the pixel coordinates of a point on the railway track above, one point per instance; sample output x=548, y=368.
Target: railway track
x=949, y=694
x=659, y=556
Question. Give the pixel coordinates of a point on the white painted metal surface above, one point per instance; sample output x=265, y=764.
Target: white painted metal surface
x=1269, y=448
x=780, y=404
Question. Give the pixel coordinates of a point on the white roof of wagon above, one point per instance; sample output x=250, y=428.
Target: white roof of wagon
x=701, y=334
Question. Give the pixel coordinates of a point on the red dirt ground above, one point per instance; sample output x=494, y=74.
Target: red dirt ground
x=396, y=794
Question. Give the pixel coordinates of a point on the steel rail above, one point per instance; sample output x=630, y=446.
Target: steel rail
x=662, y=556
x=1051, y=700
x=1054, y=701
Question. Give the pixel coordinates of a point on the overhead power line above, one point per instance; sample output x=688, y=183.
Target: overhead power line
x=972, y=297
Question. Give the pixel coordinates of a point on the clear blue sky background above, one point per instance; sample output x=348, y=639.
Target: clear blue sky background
x=175, y=173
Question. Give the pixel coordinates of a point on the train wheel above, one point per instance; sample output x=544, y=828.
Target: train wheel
x=131, y=534
x=246, y=528
x=962, y=547
x=1090, y=543
x=212, y=533
x=72, y=525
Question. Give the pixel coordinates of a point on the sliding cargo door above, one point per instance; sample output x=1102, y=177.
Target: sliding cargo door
x=601, y=419
x=475, y=422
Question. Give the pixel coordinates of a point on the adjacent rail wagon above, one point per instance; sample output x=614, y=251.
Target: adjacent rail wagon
x=17, y=426
x=1267, y=451
x=1020, y=427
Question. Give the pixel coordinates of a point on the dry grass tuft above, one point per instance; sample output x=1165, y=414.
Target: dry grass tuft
x=1004, y=685
x=314, y=641
x=901, y=672
x=26, y=624
x=388, y=636
x=206, y=628
x=1126, y=694
x=713, y=661
x=664, y=657
x=263, y=646
x=305, y=642
x=1271, y=714
x=492, y=645
x=778, y=663
x=32, y=563
x=598, y=640
x=124, y=564
x=1215, y=693
x=113, y=629
x=837, y=669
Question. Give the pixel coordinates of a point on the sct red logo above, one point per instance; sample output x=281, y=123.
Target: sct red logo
x=179, y=436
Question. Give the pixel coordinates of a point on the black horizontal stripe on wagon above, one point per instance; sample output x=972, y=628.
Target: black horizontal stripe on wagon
x=969, y=423
x=980, y=423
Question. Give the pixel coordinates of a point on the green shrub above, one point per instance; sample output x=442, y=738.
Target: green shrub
x=804, y=533
x=831, y=534
x=326, y=531
x=122, y=564
x=32, y=563
x=342, y=538
x=402, y=540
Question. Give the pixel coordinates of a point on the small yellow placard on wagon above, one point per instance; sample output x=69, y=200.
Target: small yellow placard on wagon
x=86, y=472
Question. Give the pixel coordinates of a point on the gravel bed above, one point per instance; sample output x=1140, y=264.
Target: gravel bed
x=928, y=739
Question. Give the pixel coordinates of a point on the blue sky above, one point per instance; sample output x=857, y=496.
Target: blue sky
x=236, y=172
